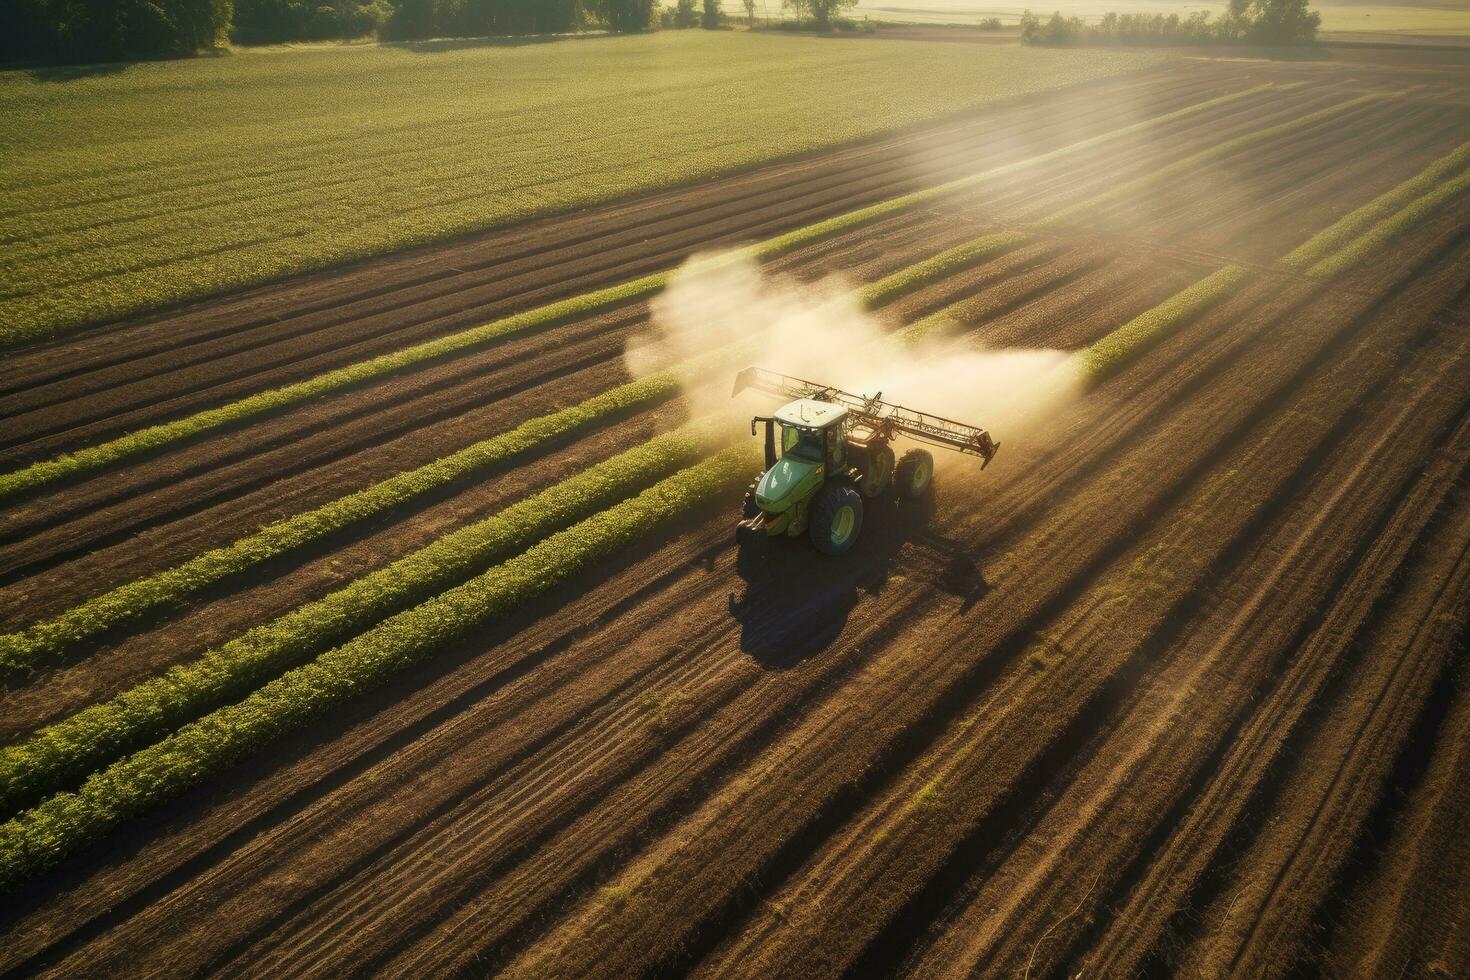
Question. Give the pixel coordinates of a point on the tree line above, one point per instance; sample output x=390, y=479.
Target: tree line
x=73, y=31
x=1275, y=22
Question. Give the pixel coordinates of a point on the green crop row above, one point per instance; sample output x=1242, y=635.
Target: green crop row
x=276, y=399
x=40, y=837
x=1331, y=239
x=1391, y=227
x=945, y=264
x=541, y=318
x=1191, y=163
x=63, y=753
x=23, y=651
x=1328, y=253
x=1109, y=352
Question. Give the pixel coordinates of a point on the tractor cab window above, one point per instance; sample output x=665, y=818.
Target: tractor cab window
x=803, y=444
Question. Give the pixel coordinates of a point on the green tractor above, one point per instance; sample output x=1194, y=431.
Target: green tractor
x=836, y=451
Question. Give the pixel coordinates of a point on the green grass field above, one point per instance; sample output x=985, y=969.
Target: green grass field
x=122, y=190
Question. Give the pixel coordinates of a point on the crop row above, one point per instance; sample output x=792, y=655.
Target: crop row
x=29, y=648
x=26, y=649
x=1355, y=223
x=63, y=753
x=521, y=324
x=1330, y=252
x=38, y=838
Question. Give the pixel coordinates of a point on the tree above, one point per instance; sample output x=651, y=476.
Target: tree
x=1283, y=22
x=85, y=30
x=820, y=11
x=684, y=15
x=627, y=16
x=749, y=13
x=714, y=17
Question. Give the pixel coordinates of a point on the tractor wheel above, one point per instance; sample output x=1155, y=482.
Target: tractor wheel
x=837, y=517
x=879, y=473
x=915, y=475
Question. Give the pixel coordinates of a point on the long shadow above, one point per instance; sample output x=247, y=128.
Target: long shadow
x=443, y=44
x=71, y=73
x=798, y=601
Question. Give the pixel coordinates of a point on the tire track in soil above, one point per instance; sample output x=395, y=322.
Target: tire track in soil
x=1399, y=906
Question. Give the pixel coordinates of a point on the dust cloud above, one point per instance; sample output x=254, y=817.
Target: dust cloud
x=721, y=313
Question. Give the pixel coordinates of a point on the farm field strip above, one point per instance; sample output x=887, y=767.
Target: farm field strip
x=592, y=834
x=898, y=284
x=631, y=222
x=38, y=838
x=1337, y=781
x=62, y=422
x=1247, y=452
x=152, y=438
x=1417, y=880
x=772, y=129
x=962, y=254
x=788, y=242
x=744, y=827
x=71, y=748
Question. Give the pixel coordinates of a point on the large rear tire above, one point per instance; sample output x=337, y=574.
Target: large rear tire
x=914, y=477
x=837, y=518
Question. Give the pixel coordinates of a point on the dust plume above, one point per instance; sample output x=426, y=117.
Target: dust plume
x=721, y=313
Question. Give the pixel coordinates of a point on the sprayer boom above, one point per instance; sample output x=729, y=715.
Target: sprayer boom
x=881, y=417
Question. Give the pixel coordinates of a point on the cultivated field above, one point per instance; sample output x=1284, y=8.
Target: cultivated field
x=131, y=187
x=381, y=620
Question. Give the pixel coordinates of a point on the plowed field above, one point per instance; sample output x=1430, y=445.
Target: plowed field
x=1177, y=684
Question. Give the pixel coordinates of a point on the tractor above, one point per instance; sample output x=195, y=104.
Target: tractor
x=836, y=450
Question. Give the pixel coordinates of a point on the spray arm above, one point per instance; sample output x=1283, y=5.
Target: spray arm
x=881, y=416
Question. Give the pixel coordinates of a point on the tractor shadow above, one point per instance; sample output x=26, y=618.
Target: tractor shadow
x=798, y=601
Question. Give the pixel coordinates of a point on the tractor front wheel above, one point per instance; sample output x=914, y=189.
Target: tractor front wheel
x=837, y=517
x=915, y=475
